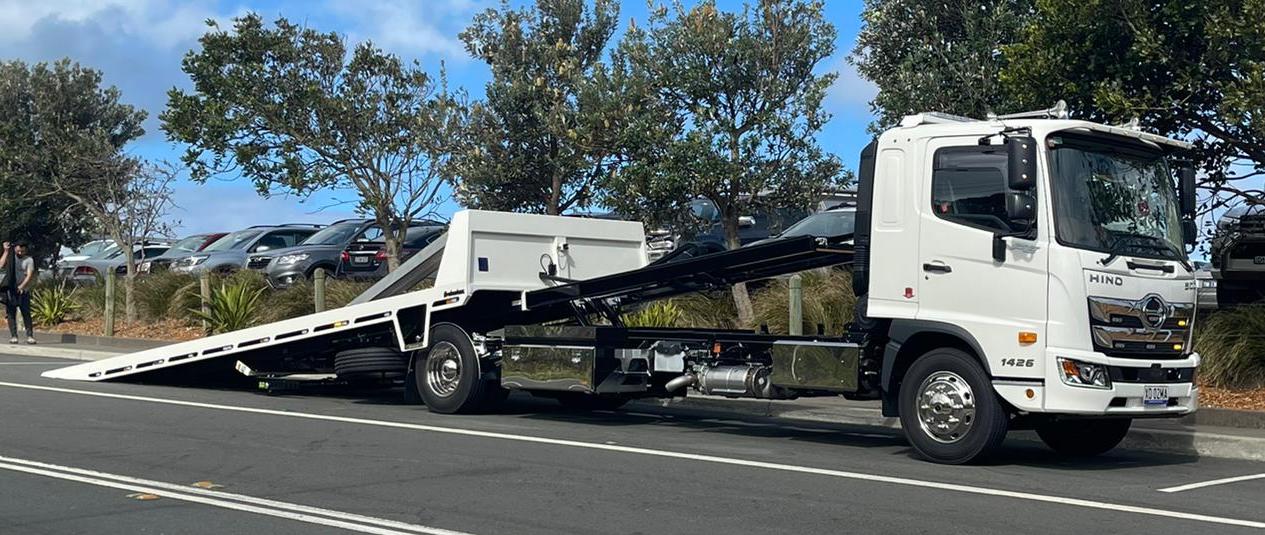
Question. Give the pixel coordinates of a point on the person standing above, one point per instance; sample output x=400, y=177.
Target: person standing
x=20, y=276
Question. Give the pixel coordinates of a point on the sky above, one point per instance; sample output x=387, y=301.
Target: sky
x=138, y=45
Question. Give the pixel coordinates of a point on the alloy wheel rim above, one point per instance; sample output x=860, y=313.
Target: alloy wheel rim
x=443, y=369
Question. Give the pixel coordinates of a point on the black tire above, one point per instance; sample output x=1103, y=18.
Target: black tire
x=455, y=384
x=591, y=402
x=1083, y=438
x=379, y=362
x=1230, y=295
x=955, y=436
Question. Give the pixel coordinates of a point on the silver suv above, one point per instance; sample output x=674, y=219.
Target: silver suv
x=232, y=252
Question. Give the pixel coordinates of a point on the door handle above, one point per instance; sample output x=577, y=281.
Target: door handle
x=937, y=267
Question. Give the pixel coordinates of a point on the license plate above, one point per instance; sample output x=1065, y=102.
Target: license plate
x=1155, y=395
x=1258, y=260
x=360, y=260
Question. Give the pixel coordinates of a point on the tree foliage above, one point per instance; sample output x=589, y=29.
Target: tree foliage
x=739, y=104
x=937, y=55
x=1190, y=69
x=57, y=122
x=288, y=108
x=546, y=136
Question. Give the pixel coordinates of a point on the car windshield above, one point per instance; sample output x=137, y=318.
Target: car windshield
x=94, y=248
x=188, y=245
x=1115, y=197
x=823, y=224
x=235, y=240
x=333, y=235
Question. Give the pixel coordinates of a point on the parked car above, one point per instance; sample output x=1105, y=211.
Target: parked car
x=1207, y=285
x=180, y=249
x=110, y=259
x=706, y=230
x=88, y=250
x=232, y=252
x=1238, y=256
x=322, y=251
x=367, y=258
x=832, y=222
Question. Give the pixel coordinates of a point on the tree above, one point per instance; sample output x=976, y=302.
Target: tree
x=129, y=199
x=745, y=107
x=289, y=109
x=546, y=136
x=937, y=55
x=1187, y=69
x=54, y=117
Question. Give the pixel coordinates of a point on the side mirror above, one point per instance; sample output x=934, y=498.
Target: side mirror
x=1020, y=206
x=1021, y=167
x=746, y=221
x=1186, y=186
x=1190, y=232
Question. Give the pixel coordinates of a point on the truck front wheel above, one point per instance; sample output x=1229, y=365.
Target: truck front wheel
x=1083, y=438
x=948, y=409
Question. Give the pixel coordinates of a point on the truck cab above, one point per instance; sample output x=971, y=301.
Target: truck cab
x=1026, y=272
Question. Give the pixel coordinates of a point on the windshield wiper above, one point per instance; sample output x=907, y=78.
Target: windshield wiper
x=1145, y=242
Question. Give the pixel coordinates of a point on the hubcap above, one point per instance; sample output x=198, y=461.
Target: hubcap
x=946, y=407
x=443, y=369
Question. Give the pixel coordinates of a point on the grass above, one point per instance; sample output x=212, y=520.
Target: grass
x=828, y=301
x=1232, y=344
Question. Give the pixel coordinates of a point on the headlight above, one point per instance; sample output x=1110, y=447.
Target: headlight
x=145, y=266
x=1083, y=374
x=292, y=259
x=195, y=260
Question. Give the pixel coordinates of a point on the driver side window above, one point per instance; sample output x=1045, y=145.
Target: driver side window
x=968, y=187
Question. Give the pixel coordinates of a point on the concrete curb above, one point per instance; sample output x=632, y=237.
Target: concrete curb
x=1140, y=438
x=73, y=353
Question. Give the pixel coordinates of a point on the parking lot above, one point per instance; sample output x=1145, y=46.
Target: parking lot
x=132, y=458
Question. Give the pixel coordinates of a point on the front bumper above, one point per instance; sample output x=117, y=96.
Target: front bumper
x=1123, y=399
x=284, y=276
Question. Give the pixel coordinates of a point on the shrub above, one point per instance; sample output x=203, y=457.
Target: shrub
x=90, y=298
x=232, y=306
x=656, y=314
x=167, y=295
x=710, y=310
x=1232, y=343
x=339, y=292
x=52, y=304
x=828, y=301
x=291, y=302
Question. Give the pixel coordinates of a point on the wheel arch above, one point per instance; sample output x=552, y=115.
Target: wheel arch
x=910, y=339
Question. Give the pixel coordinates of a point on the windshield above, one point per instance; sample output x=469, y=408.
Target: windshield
x=95, y=247
x=333, y=235
x=235, y=240
x=188, y=245
x=823, y=224
x=1114, y=198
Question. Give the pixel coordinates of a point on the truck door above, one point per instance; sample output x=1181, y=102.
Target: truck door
x=963, y=206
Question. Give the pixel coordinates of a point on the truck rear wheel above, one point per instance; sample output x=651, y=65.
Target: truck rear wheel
x=948, y=409
x=1083, y=438
x=448, y=374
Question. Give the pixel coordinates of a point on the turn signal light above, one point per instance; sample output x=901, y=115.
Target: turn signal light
x=1026, y=337
x=1181, y=323
x=1177, y=347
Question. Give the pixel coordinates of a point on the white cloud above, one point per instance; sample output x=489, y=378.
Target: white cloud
x=850, y=94
x=159, y=22
x=407, y=28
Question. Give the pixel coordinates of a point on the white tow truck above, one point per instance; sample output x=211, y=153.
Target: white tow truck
x=1025, y=271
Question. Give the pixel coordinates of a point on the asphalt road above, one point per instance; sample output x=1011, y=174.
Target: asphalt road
x=124, y=458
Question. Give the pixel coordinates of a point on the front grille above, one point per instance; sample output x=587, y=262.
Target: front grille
x=1152, y=375
x=1248, y=249
x=1148, y=328
x=258, y=262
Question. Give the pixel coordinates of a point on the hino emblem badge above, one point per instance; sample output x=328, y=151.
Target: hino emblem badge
x=1153, y=310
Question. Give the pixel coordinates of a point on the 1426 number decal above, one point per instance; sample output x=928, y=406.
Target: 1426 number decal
x=1018, y=363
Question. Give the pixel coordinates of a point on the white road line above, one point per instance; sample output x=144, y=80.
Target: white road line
x=1203, y=484
x=185, y=489
x=968, y=489
x=259, y=506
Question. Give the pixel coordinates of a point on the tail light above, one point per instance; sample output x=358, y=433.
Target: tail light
x=85, y=270
x=345, y=256
x=381, y=255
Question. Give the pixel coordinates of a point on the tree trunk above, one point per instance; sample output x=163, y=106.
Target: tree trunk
x=393, y=247
x=742, y=300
